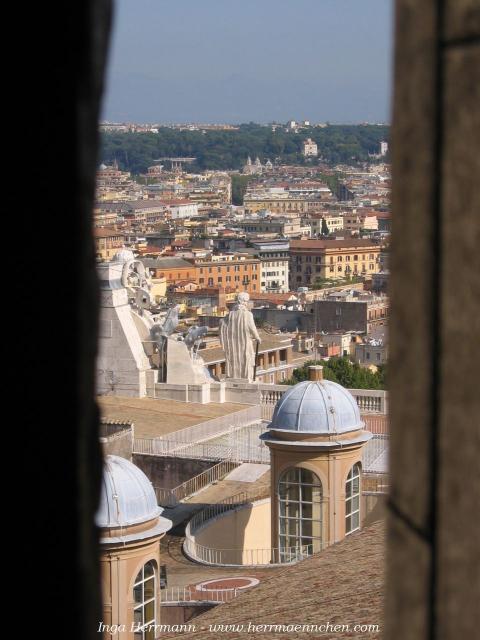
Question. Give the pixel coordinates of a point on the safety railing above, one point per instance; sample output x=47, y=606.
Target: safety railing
x=171, y=497
x=202, y=450
x=178, y=595
x=375, y=454
x=246, y=557
x=238, y=557
x=375, y=484
x=211, y=428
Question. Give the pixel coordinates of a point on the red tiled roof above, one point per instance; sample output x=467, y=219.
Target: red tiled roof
x=344, y=584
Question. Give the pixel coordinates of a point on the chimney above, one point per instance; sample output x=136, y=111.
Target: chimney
x=315, y=373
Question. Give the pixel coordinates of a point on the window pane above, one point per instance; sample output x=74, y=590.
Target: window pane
x=137, y=593
x=150, y=611
x=293, y=527
x=149, y=588
x=291, y=491
x=307, y=494
x=307, y=510
x=291, y=510
x=307, y=529
x=137, y=616
x=348, y=490
x=300, y=496
x=291, y=475
x=352, y=502
x=309, y=478
x=150, y=633
x=148, y=570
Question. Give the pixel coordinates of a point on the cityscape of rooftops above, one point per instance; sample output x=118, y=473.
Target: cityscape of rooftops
x=242, y=226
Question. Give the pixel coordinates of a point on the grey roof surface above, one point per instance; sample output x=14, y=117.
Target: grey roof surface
x=127, y=495
x=167, y=263
x=317, y=407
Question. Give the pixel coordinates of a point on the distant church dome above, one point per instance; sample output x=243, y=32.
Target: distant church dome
x=127, y=495
x=124, y=255
x=322, y=407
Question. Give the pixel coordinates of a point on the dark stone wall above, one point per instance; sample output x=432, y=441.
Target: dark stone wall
x=121, y=446
x=331, y=315
x=54, y=79
x=433, y=586
x=170, y=472
x=284, y=319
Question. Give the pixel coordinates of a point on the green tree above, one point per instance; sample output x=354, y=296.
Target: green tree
x=230, y=149
x=341, y=370
x=239, y=186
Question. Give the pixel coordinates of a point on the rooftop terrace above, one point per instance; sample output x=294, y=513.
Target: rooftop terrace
x=154, y=417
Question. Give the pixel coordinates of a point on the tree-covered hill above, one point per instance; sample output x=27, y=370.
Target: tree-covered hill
x=229, y=149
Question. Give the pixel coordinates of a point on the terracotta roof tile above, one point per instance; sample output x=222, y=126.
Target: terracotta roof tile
x=344, y=584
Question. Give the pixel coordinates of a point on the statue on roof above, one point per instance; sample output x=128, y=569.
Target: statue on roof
x=237, y=335
x=194, y=336
x=166, y=329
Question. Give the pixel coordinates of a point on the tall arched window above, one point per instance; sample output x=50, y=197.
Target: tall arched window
x=352, y=500
x=300, y=511
x=145, y=607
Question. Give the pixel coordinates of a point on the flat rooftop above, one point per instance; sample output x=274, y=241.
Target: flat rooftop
x=153, y=417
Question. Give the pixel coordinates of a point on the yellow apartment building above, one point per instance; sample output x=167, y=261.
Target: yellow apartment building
x=240, y=273
x=331, y=259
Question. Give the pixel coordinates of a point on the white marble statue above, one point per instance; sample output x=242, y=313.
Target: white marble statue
x=237, y=335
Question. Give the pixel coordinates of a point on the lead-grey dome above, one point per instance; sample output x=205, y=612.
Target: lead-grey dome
x=127, y=495
x=317, y=407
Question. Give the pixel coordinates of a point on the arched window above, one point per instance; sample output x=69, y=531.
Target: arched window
x=300, y=512
x=145, y=607
x=352, y=500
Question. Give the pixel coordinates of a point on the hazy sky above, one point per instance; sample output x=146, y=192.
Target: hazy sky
x=250, y=60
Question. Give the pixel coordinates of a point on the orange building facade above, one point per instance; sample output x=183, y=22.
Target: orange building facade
x=241, y=274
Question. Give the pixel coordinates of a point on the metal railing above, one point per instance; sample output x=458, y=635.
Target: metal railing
x=375, y=454
x=171, y=497
x=227, y=504
x=375, y=484
x=238, y=557
x=238, y=452
x=216, y=426
x=246, y=557
x=377, y=424
x=176, y=595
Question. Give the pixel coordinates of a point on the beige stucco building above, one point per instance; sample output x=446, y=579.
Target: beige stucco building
x=131, y=528
x=313, y=260
x=315, y=438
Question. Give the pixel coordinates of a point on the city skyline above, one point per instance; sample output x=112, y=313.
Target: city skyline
x=214, y=63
